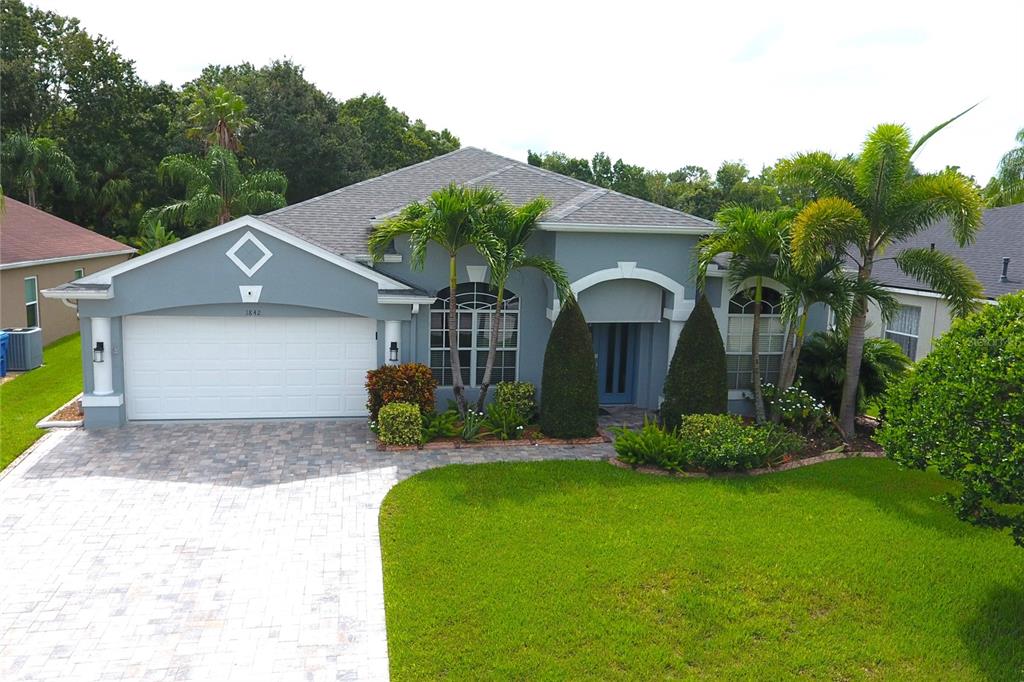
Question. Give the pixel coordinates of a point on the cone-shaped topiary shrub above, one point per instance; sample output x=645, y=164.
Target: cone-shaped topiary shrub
x=696, y=376
x=569, y=385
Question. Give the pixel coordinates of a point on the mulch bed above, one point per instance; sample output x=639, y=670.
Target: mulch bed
x=69, y=413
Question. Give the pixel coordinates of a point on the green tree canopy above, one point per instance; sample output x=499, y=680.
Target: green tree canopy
x=35, y=167
x=1007, y=187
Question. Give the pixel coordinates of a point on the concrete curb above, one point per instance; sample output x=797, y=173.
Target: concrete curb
x=48, y=422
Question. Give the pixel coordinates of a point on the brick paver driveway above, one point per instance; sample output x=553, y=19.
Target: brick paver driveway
x=204, y=551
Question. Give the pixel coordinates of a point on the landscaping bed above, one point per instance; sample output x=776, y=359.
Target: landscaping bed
x=531, y=436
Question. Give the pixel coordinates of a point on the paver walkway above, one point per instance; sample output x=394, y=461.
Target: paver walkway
x=205, y=551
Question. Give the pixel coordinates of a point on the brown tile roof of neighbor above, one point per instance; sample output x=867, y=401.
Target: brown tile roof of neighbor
x=28, y=234
x=341, y=220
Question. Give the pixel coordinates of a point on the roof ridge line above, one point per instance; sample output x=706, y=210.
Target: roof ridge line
x=312, y=200
x=396, y=211
x=585, y=197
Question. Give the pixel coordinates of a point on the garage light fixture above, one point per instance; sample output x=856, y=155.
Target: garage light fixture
x=97, y=352
x=393, y=351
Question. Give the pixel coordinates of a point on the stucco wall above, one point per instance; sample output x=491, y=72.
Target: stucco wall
x=57, y=319
x=934, y=322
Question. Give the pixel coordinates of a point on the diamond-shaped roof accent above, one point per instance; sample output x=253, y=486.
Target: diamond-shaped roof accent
x=248, y=238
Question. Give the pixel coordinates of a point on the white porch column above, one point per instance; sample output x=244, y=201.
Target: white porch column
x=392, y=339
x=675, y=328
x=102, y=372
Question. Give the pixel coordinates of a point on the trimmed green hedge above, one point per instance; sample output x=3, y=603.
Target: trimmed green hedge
x=696, y=382
x=400, y=424
x=569, y=383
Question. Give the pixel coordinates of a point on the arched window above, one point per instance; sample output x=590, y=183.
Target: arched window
x=740, y=334
x=475, y=301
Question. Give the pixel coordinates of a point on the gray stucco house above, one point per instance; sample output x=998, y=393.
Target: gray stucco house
x=281, y=315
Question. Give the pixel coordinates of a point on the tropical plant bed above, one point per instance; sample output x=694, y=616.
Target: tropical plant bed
x=787, y=464
x=531, y=436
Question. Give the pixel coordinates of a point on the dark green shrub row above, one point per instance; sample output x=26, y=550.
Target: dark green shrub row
x=706, y=442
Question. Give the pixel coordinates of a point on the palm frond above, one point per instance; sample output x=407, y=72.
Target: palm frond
x=883, y=165
x=259, y=201
x=553, y=270
x=945, y=274
x=267, y=180
x=927, y=198
x=203, y=209
x=822, y=227
x=927, y=136
x=824, y=174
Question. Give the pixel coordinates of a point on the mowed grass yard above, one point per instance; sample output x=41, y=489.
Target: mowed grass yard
x=33, y=395
x=577, y=570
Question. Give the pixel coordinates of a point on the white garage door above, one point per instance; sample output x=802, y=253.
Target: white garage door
x=247, y=367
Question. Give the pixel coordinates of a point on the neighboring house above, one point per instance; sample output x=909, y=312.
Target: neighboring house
x=996, y=257
x=282, y=315
x=38, y=251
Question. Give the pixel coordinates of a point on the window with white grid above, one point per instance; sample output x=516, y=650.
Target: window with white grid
x=903, y=329
x=475, y=302
x=740, y=336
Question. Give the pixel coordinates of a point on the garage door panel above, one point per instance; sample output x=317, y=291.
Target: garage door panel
x=209, y=367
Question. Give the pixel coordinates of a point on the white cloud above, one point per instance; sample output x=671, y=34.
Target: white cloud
x=661, y=85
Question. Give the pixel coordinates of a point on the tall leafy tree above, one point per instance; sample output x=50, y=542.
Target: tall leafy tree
x=1007, y=187
x=454, y=218
x=754, y=241
x=511, y=228
x=218, y=116
x=37, y=166
x=216, y=190
x=868, y=203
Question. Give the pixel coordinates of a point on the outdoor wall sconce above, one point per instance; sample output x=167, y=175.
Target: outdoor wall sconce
x=97, y=352
x=393, y=351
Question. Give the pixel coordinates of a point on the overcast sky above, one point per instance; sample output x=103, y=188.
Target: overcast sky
x=661, y=85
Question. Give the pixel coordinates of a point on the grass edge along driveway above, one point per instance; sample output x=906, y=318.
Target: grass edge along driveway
x=33, y=395
x=576, y=570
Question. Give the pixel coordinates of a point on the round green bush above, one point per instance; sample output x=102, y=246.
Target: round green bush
x=961, y=410
x=696, y=382
x=400, y=424
x=569, y=383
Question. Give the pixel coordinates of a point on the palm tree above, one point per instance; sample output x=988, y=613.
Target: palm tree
x=218, y=116
x=867, y=203
x=35, y=164
x=153, y=236
x=754, y=239
x=454, y=218
x=216, y=190
x=1007, y=187
x=512, y=227
x=826, y=283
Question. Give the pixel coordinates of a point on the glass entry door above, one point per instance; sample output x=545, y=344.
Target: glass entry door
x=615, y=352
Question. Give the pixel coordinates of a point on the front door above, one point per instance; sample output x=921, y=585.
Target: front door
x=615, y=351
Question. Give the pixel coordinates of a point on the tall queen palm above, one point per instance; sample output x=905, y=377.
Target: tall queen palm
x=867, y=203
x=453, y=218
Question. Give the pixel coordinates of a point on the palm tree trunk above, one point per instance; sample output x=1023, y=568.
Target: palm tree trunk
x=492, y=350
x=755, y=357
x=787, y=377
x=787, y=352
x=854, y=355
x=453, y=336
x=31, y=190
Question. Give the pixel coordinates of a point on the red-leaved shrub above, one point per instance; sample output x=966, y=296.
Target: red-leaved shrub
x=409, y=383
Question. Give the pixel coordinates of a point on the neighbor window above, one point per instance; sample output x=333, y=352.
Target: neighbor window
x=475, y=303
x=31, y=302
x=739, y=335
x=903, y=329
x=79, y=273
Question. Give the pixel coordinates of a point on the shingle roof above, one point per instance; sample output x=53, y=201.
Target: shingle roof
x=341, y=220
x=1001, y=236
x=28, y=234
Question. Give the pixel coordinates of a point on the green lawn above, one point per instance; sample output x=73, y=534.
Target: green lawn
x=35, y=394
x=577, y=570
